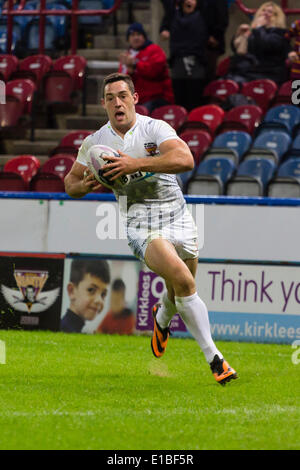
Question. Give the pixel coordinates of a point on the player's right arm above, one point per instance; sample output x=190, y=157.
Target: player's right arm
x=80, y=181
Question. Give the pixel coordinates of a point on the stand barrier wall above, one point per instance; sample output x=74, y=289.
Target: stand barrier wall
x=248, y=275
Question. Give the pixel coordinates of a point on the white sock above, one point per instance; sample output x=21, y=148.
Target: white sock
x=194, y=313
x=166, y=312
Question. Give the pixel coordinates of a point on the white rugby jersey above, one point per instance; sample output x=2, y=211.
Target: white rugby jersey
x=153, y=190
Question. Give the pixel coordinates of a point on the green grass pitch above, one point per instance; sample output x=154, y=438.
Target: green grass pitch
x=61, y=391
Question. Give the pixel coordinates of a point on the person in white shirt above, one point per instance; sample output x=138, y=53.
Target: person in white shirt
x=160, y=229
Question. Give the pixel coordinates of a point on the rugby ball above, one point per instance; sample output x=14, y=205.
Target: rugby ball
x=96, y=165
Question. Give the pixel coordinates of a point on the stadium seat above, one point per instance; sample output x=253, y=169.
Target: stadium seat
x=242, y=118
x=70, y=143
x=91, y=20
x=218, y=90
x=287, y=181
x=66, y=77
x=10, y=112
x=25, y=165
x=251, y=178
x=262, y=91
x=58, y=165
x=207, y=117
x=183, y=179
x=284, y=117
x=31, y=35
x=237, y=140
x=210, y=177
x=23, y=89
x=3, y=39
x=173, y=114
x=10, y=181
x=270, y=144
x=228, y=153
x=284, y=94
x=34, y=67
x=8, y=64
x=223, y=67
x=47, y=182
x=140, y=109
x=74, y=66
x=294, y=151
x=198, y=142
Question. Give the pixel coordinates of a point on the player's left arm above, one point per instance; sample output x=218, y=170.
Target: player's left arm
x=175, y=157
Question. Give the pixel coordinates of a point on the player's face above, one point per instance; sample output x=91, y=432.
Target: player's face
x=88, y=297
x=120, y=103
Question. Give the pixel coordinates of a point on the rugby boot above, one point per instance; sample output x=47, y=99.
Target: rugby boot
x=222, y=371
x=160, y=336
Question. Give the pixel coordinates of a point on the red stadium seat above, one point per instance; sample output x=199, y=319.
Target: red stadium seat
x=70, y=143
x=10, y=181
x=58, y=165
x=74, y=138
x=8, y=64
x=242, y=118
x=198, y=142
x=219, y=90
x=262, y=91
x=173, y=114
x=24, y=165
x=23, y=89
x=34, y=67
x=140, y=109
x=284, y=94
x=223, y=67
x=74, y=66
x=10, y=112
x=47, y=183
x=207, y=117
x=58, y=87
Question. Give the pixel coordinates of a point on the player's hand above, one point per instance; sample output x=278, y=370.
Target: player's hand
x=89, y=182
x=119, y=166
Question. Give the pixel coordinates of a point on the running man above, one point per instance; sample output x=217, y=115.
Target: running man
x=152, y=154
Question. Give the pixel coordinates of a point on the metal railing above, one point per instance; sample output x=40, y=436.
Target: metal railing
x=284, y=6
x=42, y=12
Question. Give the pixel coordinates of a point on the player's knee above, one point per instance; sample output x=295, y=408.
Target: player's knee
x=184, y=283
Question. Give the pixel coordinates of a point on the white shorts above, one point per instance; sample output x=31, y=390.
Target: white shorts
x=181, y=232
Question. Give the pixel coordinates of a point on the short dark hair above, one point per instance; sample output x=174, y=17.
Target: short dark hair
x=118, y=285
x=98, y=268
x=117, y=77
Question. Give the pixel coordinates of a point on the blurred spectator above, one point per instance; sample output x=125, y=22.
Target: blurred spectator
x=261, y=49
x=120, y=319
x=147, y=65
x=216, y=17
x=184, y=24
x=294, y=56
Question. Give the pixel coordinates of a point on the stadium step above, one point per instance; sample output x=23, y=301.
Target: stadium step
x=23, y=147
x=84, y=122
x=114, y=42
x=100, y=54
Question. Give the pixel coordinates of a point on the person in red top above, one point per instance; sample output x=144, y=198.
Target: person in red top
x=119, y=319
x=147, y=65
